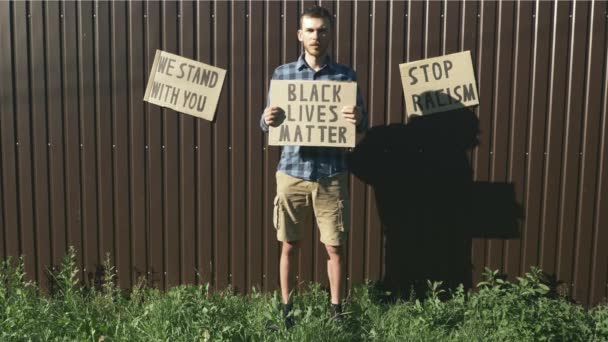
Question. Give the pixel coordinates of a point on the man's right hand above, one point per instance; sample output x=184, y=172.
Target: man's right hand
x=274, y=116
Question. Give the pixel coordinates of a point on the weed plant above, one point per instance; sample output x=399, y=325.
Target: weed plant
x=497, y=311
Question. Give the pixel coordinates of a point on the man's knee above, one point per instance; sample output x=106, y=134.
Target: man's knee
x=334, y=252
x=290, y=247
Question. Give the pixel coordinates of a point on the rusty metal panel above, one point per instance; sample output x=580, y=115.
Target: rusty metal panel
x=86, y=163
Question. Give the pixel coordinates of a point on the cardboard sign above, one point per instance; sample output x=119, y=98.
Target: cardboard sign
x=184, y=85
x=313, y=113
x=439, y=84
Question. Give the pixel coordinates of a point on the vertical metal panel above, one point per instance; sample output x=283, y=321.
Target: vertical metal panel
x=71, y=121
x=574, y=115
x=469, y=32
x=433, y=33
x=204, y=162
x=555, y=132
x=394, y=107
x=138, y=148
x=5, y=93
x=360, y=200
x=451, y=23
x=499, y=145
x=23, y=129
x=536, y=133
x=598, y=290
x=10, y=214
x=360, y=38
x=56, y=146
x=103, y=126
x=120, y=143
x=39, y=140
x=221, y=203
x=468, y=41
x=187, y=154
x=172, y=228
x=377, y=109
x=594, y=70
x=85, y=162
x=86, y=92
x=519, y=123
x=272, y=54
x=256, y=244
x=154, y=186
x=485, y=63
x=238, y=145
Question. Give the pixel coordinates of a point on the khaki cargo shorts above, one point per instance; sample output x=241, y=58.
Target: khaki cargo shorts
x=297, y=199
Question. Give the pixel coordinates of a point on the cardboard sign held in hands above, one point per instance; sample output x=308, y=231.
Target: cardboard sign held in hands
x=439, y=84
x=313, y=113
x=184, y=85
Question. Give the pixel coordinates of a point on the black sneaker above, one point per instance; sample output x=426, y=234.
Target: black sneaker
x=336, y=313
x=288, y=319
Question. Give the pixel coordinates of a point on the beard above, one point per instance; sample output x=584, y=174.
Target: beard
x=315, y=50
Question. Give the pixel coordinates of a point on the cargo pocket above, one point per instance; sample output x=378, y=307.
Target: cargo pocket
x=276, y=212
x=343, y=212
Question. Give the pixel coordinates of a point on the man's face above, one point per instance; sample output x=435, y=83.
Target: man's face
x=315, y=36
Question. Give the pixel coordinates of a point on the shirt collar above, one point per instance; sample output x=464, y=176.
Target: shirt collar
x=301, y=64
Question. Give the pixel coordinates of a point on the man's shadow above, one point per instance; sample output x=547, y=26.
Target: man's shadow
x=429, y=206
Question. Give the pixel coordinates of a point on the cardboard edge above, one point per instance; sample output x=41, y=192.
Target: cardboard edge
x=152, y=75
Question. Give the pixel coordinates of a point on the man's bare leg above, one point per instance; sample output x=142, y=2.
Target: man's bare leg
x=334, y=272
x=287, y=274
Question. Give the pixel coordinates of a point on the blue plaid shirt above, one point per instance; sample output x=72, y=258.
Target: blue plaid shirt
x=309, y=162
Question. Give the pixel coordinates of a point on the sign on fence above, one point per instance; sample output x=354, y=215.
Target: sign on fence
x=184, y=85
x=439, y=84
x=313, y=113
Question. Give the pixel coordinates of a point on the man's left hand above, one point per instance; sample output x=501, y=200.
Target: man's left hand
x=351, y=114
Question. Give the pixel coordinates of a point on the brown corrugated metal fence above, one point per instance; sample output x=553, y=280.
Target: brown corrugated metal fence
x=85, y=162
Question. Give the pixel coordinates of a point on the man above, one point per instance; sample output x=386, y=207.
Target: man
x=313, y=179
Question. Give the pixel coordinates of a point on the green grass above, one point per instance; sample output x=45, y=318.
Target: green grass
x=498, y=311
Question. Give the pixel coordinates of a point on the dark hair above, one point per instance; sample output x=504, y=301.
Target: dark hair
x=317, y=11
